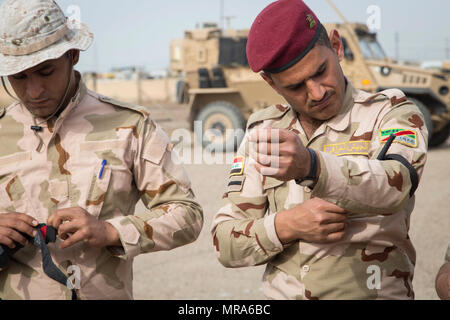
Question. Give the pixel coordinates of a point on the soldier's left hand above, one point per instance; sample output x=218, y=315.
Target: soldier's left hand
x=76, y=224
x=279, y=153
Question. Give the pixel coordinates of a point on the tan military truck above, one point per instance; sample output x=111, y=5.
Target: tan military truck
x=222, y=91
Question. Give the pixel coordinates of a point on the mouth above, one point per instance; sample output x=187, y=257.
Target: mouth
x=323, y=104
x=38, y=104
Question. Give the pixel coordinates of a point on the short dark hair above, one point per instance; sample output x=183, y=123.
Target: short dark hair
x=323, y=39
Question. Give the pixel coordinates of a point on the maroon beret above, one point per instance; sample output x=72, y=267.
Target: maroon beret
x=282, y=34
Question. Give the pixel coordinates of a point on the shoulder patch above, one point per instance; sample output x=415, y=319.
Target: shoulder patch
x=272, y=112
x=238, y=167
x=236, y=184
x=403, y=136
x=140, y=109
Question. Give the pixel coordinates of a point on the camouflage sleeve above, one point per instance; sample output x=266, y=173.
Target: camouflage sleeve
x=174, y=218
x=364, y=185
x=243, y=233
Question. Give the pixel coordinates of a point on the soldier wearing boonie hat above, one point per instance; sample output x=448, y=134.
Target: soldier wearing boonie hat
x=79, y=162
x=323, y=187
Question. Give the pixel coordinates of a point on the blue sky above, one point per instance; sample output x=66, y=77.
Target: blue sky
x=138, y=32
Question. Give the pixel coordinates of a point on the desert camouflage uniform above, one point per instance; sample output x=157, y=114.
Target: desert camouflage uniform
x=376, y=194
x=66, y=174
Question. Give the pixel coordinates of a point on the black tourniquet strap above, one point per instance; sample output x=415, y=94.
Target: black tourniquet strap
x=412, y=172
x=50, y=269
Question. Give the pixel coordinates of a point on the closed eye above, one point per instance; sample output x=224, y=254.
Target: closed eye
x=19, y=77
x=46, y=73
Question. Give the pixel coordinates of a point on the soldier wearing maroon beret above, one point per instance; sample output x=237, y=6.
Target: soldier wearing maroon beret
x=323, y=187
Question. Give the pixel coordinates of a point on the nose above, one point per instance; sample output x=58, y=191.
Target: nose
x=35, y=89
x=316, y=92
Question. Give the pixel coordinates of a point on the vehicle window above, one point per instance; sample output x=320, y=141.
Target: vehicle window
x=365, y=48
x=371, y=48
x=377, y=50
x=233, y=52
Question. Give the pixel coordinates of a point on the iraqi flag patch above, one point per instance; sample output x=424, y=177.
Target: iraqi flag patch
x=403, y=136
x=238, y=167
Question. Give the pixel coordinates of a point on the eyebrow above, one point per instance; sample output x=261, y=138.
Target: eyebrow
x=298, y=84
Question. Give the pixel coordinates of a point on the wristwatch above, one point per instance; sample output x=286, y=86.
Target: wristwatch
x=311, y=177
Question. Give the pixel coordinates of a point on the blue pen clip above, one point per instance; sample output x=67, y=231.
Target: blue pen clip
x=103, y=168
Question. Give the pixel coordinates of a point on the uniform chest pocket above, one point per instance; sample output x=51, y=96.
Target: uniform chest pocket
x=270, y=188
x=98, y=189
x=13, y=196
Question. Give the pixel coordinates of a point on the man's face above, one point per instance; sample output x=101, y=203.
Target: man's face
x=42, y=88
x=315, y=86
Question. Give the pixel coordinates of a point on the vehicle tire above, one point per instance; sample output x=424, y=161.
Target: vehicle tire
x=223, y=127
x=440, y=137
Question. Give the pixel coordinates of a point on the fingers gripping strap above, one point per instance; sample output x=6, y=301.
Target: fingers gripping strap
x=412, y=172
x=50, y=269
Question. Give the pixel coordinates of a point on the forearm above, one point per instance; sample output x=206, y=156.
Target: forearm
x=246, y=242
x=164, y=227
x=387, y=184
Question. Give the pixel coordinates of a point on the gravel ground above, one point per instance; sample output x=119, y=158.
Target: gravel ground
x=193, y=272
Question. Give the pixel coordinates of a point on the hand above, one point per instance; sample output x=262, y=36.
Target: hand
x=443, y=282
x=279, y=154
x=315, y=221
x=11, y=224
x=76, y=224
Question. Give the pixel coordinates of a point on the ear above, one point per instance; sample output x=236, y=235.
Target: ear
x=336, y=44
x=269, y=80
x=75, y=57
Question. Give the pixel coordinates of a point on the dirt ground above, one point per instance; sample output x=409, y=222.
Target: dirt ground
x=193, y=272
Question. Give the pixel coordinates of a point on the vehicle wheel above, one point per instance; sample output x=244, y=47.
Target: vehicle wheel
x=426, y=114
x=223, y=127
x=440, y=137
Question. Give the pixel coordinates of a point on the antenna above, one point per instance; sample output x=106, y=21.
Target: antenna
x=344, y=19
x=397, y=46
x=222, y=14
x=228, y=19
x=447, y=48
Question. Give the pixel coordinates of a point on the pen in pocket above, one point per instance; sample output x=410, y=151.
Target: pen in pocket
x=103, y=168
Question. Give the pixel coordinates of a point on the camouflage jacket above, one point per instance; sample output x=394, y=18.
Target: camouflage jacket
x=375, y=193
x=65, y=174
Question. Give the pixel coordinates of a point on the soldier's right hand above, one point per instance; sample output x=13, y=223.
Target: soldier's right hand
x=314, y=221
x=11, y=224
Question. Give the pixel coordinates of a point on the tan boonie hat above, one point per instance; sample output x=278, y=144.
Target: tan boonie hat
x=34, y=31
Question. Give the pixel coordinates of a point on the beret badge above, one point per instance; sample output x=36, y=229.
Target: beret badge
x=311, y=21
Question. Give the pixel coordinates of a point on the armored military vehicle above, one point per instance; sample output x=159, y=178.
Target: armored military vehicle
x=222, y=91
